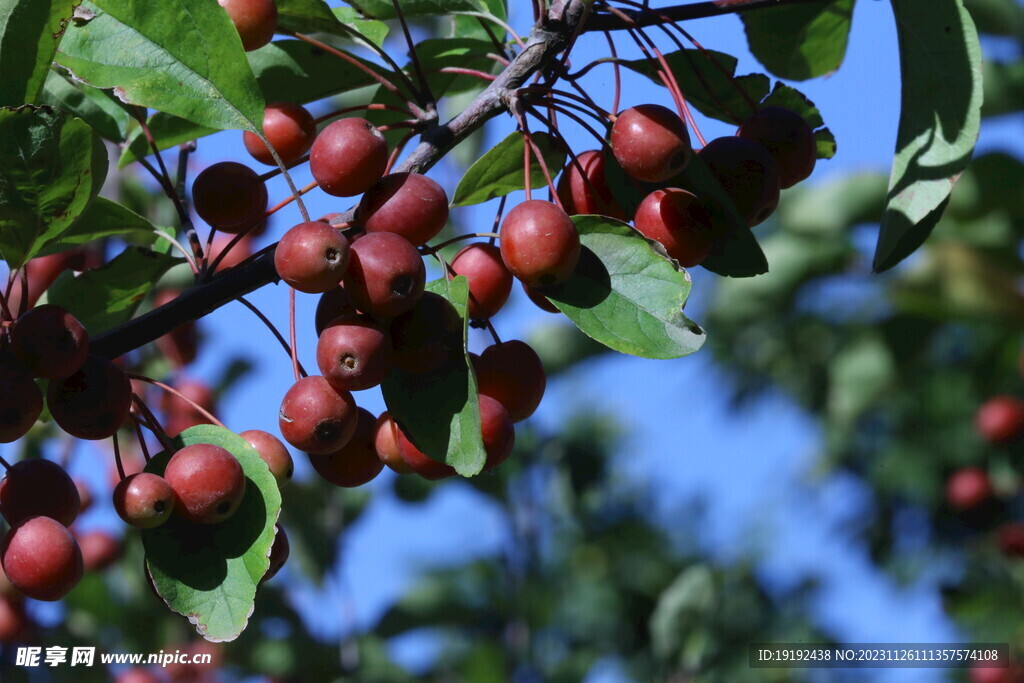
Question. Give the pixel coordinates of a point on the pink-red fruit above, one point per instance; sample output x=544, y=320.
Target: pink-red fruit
x=50, y=342
x=255, y=20
x=348, y=157
x=583, y=187
x=512, y=374
x=354, y=354
x=315, y=418
x=747, y=173
x=539, y=243
x=490, y=282
x=94, y=402
x=312, y=257
x=408, y=204
x=38, y=488
x=968, y=488
x=41, y=559
x=21, y=402
x=355, y=463
x=144, y=500
x=279, y=553
x=385, y=276
x=385, y=442
x=290, y=130
x=229, y=196
x=677, y=219
x=496, y=430
x=1000, y=420
x=208, y=482
x=788, y=138
x=272, y=452
x=650, y=142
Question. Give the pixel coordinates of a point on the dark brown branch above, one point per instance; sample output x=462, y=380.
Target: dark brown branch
x=603, y=21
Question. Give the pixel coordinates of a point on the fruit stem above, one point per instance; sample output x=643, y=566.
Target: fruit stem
x=4, y=463
x=466, y=72
x=280, y=337
x=171, y=390
x=425, y=95
x=274, y=172
x=117, y=456
x=497, y=220
x=153, y=424
x=235, y=239
x=616, y=70
x=288, y=200
x=291, y=334
x=177, y=245
x=376, y=106
x=142, y=440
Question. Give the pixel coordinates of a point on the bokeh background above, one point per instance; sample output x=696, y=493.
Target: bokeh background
x=784, y=483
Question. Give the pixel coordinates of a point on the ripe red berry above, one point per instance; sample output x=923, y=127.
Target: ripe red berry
x=334, y=303
x=239, y=251
x=180, y=414
x=421, y=463
x=1010, y=538
x=787, y=137
x=968, y=488
x=409, y=204
x=490, y=282
x=426, y=337
x=50, y=342
x=21, y=402
x=1000, y=420
x=144, y=500
x=290, y=130
x=14, y=621
x=539, y=300
x=208, y=483
x=588, y=192
x=497, y=431
x=99, y=550
x=650, y=142
x=279, y=553
x=84, y=495
x=355, y=463
x=385, y=442
x=511, y=373
x=38, y=488
x=539, y=243
x=272, y=452
x=385, y=275
x=94, y=402
x=41, y=559
x=747, y=173
x=229, y=196
x=348, y=157
x=677, y=219
x=354, y=354
x=255, y=20
x=312, y=257
x=315, y=418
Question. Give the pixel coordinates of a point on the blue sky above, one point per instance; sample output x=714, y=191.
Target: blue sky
x=750, y=468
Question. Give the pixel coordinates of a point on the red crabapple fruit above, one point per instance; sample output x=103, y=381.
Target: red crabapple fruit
x=41, y=559
x=290, y=130
x=539, y=243
x=408, y=204
x=385, y=276
x=348, y=157
x=356, y=463
x=788, y=138
x=650, y=142
x=230, y=196
x=490, y=282
x=208, y=483
x=315, y=418
x=312, y=257
x=677, y=219
x=144, y=500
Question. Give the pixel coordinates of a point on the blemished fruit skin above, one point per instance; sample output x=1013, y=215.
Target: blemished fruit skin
x=497, y=430
x=315, y=418
x=38, y=488
x=99, y=550
x=348, y=157
x=409, y=204
x=333, y=304
x=354, y=354
x=50, y=342
x=42, y=559
x=539, y=243
x=385, y=276
x=144, y=500
x=272, y=452
x=356, y=463
x=312, y=257
x=208, y=483
x=747, y=173
x=290, y=129
x=229, y=196
x=21, y=403
x=788, y=138
x=94, y=402
x=385, y=442
x=650, y=142
x=1000, y=420
x=279, y=553
x=679, y=222
x=490, y=282
x=426, y=337
x=421, y=463
x=968, y=488
x=588, y=192
x=255, y=20
x=512, y=374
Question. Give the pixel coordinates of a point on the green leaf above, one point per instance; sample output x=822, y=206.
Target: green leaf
x=294, y=71
x=500, y=171
x=385, y=9
x=183, y=57
x=95, y=107
x=997, y=17
x=826, y=143
x=167, y=130
x=708, y=80
x=439, y=53
x=940, y=61
x=471, y=27
x=51, y=166
x=439, y=411
x=105, y=297
x=315, y=16
x=103, y=218
x=29, y=33
x=794, y=100
x=800, y=41
x=625, y=295
x=210, y=573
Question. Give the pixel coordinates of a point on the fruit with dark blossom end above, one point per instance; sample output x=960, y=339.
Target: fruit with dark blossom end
x=747, y=173
x=385, y=442
x=348, y=157
x=583, y=187
x=209, y=483
x=38, y=488
x=409, y=204
x=144, y=500
x=679, y=222
x=272, y=452
x=230, y=196
x=94, y=402
x=50, y=342
x=41, y=559
x=312, y=257
x=385, y=276
x=315, y=418
x=787, y=137
x=355, y=463
x=539, y=243
x=1000, y=420
x=288, y=127
x=354, y=353
x=650, y=142
x=490, y=282
x=255, y=21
